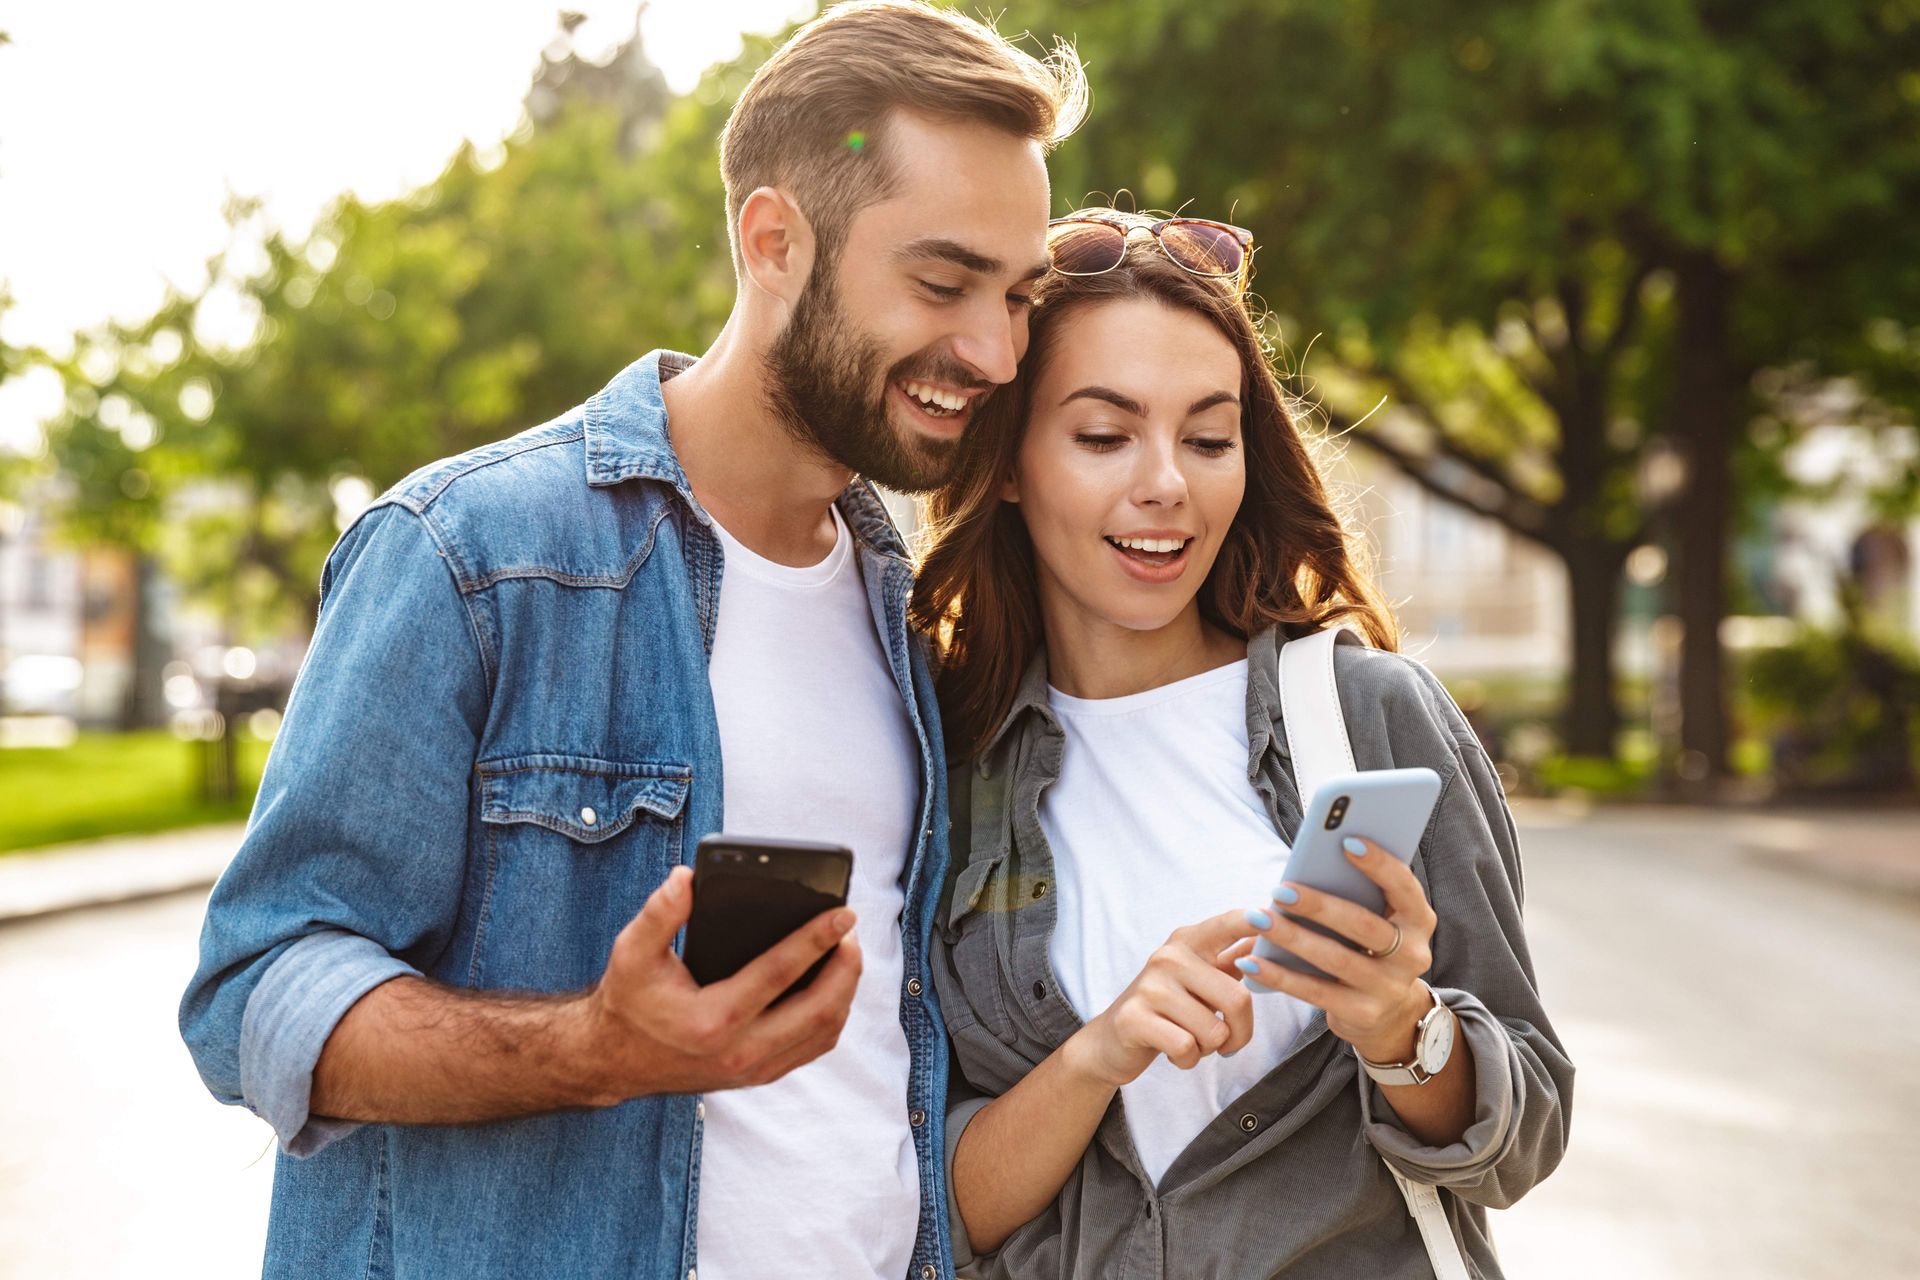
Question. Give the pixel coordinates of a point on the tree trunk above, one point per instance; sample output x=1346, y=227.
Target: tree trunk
x=144, y=705
x=1706, y=403
x=1591, y=716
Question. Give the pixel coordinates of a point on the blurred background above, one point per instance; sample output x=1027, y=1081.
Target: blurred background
x=1611, y=319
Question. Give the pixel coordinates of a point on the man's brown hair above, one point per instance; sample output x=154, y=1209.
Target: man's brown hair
x=813, y=120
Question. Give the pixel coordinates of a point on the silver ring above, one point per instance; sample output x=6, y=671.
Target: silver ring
x=1382, y=955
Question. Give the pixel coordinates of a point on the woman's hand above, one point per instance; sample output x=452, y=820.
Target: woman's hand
x=1376, y=1000
x=1186, y=1003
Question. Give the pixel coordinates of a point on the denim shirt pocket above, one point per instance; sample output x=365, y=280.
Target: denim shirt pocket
x=970, y=923
x=574, y=844
x=585, y=799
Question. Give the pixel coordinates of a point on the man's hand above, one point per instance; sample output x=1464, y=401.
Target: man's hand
x=658, y=1031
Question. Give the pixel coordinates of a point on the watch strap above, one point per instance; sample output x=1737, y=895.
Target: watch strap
x=1410, y=1071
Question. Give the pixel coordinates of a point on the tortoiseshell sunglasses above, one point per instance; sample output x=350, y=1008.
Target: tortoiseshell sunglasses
x=1090, y=241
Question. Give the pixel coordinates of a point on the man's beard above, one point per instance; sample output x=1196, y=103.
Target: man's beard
x=825, y=380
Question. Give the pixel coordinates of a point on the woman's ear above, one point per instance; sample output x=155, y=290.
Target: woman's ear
x=1010, y=486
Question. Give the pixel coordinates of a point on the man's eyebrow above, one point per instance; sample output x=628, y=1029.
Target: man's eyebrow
x=945, y=250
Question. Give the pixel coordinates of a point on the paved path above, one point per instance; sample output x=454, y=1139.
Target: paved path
x=1747, y=1038
x=114, y=1161
x=96, y=872
x=1748, y=1046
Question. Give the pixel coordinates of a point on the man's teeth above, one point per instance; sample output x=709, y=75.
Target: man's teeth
x=1158, y=545
x=934, y=396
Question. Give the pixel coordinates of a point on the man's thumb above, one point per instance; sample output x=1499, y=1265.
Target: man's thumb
x=666, y=909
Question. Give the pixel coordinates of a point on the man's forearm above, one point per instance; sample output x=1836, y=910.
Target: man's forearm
x=1020, y=1149
x=412, y=1051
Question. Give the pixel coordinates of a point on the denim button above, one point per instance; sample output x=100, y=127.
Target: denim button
x=700, y=1109
x=1039, y=991
x=927, y=1272
x=1249, y=1122
x=918, y=1118
x=588, y=817
x=1040, y=890
x=913, y=986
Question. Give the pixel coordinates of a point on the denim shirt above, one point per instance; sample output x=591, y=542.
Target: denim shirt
x=502, y=739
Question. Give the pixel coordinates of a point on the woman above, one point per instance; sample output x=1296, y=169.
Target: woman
x=1134, y=529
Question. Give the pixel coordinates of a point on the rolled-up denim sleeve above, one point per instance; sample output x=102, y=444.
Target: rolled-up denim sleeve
x=354, y=859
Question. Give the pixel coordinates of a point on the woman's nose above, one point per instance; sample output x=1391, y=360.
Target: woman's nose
x=1160, y=480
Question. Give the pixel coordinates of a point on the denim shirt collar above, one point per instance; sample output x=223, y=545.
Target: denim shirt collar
x=1264, y=726
x=627, y=439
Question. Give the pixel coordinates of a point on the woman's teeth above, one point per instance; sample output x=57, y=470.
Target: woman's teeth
x=937, y=403
x=1154, y=545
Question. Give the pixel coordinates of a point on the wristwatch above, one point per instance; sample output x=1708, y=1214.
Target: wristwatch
x=1432, y=1046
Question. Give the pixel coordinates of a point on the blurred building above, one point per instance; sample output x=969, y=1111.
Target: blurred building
x=1817, y=552
x=71, y=626
x=1471, y=597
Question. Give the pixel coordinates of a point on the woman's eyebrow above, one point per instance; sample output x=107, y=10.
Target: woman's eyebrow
x=1207, y=402
x=1125, y=402
x=1109, y=395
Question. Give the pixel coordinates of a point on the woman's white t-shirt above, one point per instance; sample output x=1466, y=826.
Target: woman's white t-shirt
x=1154, y=825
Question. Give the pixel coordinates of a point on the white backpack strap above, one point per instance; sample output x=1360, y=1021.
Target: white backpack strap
x=1443, y=1251
x=1317, y=741
x=1310, y=708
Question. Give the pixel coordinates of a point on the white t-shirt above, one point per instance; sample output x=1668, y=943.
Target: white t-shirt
x=816, y=1174
x=1153, y=826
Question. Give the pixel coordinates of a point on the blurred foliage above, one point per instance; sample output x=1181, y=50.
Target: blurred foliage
x=1560, y=240
x=1495, y=217
x=395, y=333
x=1840, y=708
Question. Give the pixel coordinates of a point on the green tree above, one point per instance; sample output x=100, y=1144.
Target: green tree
x=395, y=333
x=1560, y=238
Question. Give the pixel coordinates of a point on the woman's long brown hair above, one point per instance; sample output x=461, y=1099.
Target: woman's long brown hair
x=1287, y=558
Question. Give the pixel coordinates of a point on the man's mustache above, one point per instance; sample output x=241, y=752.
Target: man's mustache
x=944, y=372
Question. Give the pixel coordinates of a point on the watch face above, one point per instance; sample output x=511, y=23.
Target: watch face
x=1436, y=1043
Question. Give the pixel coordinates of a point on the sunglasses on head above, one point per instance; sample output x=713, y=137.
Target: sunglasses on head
x=1095, y=240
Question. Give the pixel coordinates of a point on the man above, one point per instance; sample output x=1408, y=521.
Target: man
x=443, y=963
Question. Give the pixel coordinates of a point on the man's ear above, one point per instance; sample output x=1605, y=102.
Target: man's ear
x=776, y=243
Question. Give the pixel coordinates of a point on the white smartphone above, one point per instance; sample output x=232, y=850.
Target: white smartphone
x=1390, y=807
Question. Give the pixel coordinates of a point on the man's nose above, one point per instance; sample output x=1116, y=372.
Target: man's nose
x=989, y=345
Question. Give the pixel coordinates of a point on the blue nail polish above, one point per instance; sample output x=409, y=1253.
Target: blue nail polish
x=1354, y=846
x=1247, y=964
x=1259, y=919
x=1287, y=894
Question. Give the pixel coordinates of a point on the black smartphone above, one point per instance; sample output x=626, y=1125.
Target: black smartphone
x=749, y=892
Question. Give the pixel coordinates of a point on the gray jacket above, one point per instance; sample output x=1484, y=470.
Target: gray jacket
x=1288, y=1179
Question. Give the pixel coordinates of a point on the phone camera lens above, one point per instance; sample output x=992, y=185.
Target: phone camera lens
x=1336, y=812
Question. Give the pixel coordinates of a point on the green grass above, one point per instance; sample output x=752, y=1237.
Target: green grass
x=109, y=784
